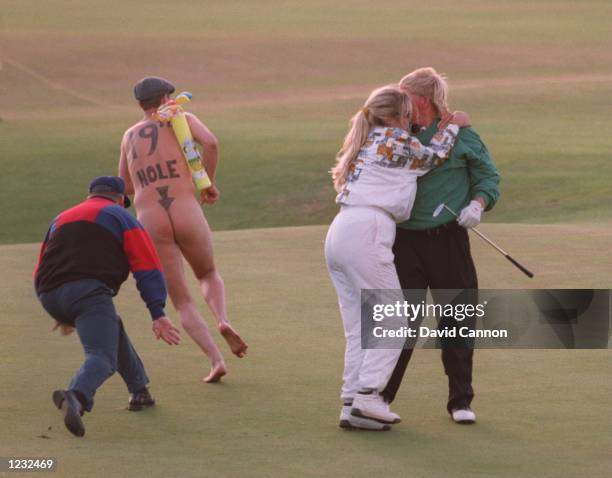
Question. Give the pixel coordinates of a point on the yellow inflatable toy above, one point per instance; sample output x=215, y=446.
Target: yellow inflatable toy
x=173, y=112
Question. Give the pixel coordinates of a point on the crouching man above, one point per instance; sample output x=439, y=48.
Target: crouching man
x=86, y=255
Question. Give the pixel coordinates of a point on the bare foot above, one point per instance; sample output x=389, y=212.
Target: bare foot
x=236, y=344
x=215, y=373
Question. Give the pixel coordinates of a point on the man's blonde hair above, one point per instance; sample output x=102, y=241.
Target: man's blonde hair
x=429, y=83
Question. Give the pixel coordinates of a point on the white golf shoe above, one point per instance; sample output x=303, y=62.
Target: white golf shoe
x=373, y=407
x=349, y=422
x=464, y=416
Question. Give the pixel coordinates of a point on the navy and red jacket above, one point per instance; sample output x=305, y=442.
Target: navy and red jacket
x=98, y=239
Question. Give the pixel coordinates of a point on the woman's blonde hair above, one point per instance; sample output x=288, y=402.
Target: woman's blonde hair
x=429, y=83
x=383, y=103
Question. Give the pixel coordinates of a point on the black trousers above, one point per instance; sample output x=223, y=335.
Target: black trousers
x=439, y=258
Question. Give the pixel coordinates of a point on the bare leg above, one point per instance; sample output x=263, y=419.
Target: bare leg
x=191, y=319
x=213, y=291
x=197, y=249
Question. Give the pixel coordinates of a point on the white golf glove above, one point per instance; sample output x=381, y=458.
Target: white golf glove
x=470, y=215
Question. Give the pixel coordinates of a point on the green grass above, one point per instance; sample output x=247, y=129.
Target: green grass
x=541, y=413
x=278, y=82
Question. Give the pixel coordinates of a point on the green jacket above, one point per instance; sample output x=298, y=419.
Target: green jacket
x=467, y=173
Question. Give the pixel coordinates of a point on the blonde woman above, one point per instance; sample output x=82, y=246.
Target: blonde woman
x=375, y=176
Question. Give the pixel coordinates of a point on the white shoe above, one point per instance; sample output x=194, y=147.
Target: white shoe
x=372, y=406
x=349, y=422
x=464, y=416
x=345, y=414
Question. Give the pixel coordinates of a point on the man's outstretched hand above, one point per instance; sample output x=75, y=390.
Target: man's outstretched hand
x=210, y=195
x=164, y=329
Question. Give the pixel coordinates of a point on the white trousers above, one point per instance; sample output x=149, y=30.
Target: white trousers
x=359, y=255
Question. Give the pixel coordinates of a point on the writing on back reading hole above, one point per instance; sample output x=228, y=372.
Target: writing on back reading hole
x=153, y=173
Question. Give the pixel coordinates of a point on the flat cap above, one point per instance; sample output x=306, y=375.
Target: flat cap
x=152, y=86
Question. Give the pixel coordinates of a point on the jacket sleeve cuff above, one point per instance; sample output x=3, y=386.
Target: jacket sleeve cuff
x=489, y=199
x=157, y=311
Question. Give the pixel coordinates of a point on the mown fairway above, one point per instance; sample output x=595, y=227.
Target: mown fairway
x=277, y=82
x=541, y=413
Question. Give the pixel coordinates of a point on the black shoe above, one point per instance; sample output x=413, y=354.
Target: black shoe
x=139, y=400
x=68, y=403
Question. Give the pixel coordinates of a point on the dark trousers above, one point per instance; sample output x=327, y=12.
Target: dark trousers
x=88, y=305
x=439, y=258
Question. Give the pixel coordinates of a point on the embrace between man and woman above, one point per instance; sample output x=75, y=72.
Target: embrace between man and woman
x=405, y=154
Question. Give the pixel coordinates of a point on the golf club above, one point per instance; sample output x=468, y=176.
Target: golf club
x=525, y=271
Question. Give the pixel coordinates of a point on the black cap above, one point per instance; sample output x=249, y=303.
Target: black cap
x=152, y=86
x=109, y=184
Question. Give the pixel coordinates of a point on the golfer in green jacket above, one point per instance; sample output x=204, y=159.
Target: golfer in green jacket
x=434, y=252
